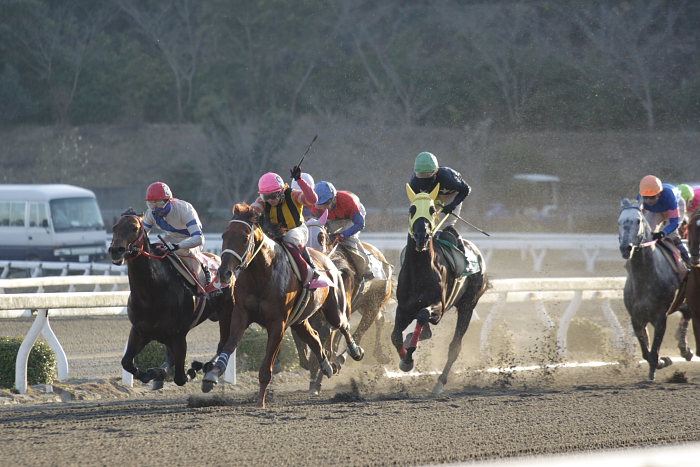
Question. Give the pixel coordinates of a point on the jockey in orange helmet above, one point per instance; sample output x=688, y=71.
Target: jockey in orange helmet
x=179, y=221
x=663, y=208
x=282, y=209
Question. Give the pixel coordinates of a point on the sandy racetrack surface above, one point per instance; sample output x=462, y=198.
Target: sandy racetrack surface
x=368, y=421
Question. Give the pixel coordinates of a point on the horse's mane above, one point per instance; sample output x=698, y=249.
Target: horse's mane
x=245, y=212
x=130, y=212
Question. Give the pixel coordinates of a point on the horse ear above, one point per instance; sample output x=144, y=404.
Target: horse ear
x=323, y=217
x=624, y=202
x=410, y=193
x=434, y=193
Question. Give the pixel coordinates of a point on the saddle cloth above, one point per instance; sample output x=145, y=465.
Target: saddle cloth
x=459, y=263
x=673, y=255
x=297, y=272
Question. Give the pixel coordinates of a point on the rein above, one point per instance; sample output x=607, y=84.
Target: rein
x=249, y=254
x=135, y=248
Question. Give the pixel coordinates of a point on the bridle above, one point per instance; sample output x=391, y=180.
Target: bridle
x=637, y=244
x=249, y=254
x=135, y=248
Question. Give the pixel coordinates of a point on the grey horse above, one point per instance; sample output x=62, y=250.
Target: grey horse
x=651, y=284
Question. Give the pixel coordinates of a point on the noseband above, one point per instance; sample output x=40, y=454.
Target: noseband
x=135, y=248
x=249, y=254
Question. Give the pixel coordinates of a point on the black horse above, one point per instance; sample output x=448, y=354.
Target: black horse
x=161, y=306
x=428, y=286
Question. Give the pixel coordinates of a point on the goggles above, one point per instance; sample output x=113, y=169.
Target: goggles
x=157, y=204
x=650, y=197
x=424, y=174
x=272, y=196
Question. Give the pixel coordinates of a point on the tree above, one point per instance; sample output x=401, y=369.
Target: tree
x=172, y=27
x=636, y=40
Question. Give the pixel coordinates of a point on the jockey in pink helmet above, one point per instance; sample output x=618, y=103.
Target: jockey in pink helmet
x=283, y=219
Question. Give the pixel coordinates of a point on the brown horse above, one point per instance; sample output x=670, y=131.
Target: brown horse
x=266, y=292
x=162, y=306
x=368, y=299
x=692, y=286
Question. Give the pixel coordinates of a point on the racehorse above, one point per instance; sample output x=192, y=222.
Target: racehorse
x=367, y=299
x=692, y=286
x=651, y=284
x=428, y=286
x=269, y=293
x=161, y=306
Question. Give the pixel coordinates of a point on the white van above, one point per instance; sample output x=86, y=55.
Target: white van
x=50, y=223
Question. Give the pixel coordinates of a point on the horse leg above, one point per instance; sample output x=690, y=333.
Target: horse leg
x=178, y=350
x=302, y=350
x=401, y=322
x=275, y=333
x=464, y=316
x=337, y=319
x=379, y=353
x=134, y=346
x=215, y=368
x=682, y=333
x=422, y=319
x=656, y=363
x=310, y=336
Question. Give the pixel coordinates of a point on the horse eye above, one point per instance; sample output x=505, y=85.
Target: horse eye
x=412, y=210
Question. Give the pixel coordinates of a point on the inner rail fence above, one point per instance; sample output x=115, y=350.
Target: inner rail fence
x=538, y=292
x=589, y=248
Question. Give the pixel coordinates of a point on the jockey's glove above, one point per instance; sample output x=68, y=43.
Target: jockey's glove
x=658, y=235
x=448, y=208
x=174, y=246
x=296, y=172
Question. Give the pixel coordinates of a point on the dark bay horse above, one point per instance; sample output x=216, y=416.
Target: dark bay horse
x=427, y=286
x=367, y=299
x=161, y=305
x=692, y=286
x=265, y=292
x=651, y=285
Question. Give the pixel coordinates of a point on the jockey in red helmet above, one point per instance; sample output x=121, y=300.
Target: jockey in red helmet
x=179, y=221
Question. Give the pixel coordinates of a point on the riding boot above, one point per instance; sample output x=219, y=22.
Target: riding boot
x=682, y=250
x=453, y=231
x=314, y=279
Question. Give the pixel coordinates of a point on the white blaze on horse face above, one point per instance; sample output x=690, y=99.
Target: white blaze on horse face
x=631, y=227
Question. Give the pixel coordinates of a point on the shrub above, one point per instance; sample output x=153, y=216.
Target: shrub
x=41, y=366
x=152, y=356
x=251, y=350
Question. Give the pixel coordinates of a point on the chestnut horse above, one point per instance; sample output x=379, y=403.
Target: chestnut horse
x=692, y=286
x=367, y=299
x=428, y=287
x=161, y=304
x=266, y=291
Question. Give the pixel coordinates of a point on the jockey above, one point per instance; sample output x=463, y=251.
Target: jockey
x=180, y=222
x=281, y=207
x=691, y=197
x=308, y=212
x=346, y=215
x=453, y=188
x=663, y=207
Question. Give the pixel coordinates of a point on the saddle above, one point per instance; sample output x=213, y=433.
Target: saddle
x=206, y=278
x=461, y=262
x=673, y=256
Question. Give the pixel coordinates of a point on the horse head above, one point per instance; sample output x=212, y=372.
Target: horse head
x=239, y=241
x=128, y=237
x=694, y=237
x=422, y=216
x=633, y=227
x=318, y=236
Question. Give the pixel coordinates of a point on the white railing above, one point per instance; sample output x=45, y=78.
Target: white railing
x=572, y=291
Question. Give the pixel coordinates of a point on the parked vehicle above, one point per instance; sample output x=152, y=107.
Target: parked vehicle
x=50, y=223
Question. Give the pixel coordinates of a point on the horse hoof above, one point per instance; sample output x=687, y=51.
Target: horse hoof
x=191, y=374
x=358, y=354
x=326, y=368
x=314, y=389
x=156, y=384
x=688, y=355
x=196, y=366
x=439, y=388
x=210, y=380
x=666, y=362
x=406, y=366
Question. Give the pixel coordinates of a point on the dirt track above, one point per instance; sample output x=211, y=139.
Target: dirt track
x=380, y=421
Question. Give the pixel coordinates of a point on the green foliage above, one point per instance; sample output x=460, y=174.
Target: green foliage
x=251, y=350
x=41, y=366
x=152, y=356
